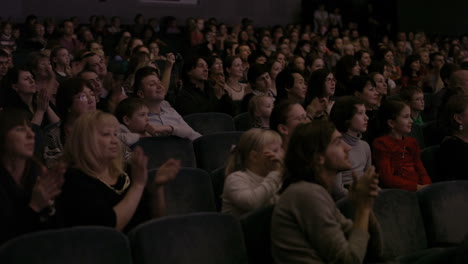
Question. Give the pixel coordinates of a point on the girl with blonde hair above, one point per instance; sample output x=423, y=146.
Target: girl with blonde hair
x=254, y=172
x=97, y=191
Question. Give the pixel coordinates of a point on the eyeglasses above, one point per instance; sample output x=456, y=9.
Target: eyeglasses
x=330, y=80
x=301, y=118
x=85, y=98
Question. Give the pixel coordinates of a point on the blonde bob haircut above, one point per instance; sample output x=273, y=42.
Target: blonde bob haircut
x=254, y=139
x=82, y=150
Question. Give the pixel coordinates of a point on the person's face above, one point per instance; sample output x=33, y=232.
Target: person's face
x=349, y=50
x=244, y=52
x=265, y=106
x=154, y=48
x=39, y=30
x=217, y=66
x=317, y=64
x=4, y=63
x=263, y=82
x=299, y=89
x=88, y=36
x=83, y=102
x=275, y=69
x=26, y=83
x=68, y=28
x=306, y=48
x=369, y=95
x=356, y=70
x=416, y=65
x=63, y=57
x=116, y=22
x=285, y=49
x=281, y=59
x=336, y=156
x=330, y=85
x=44, y=68
x=152, y=88
x=200, y=24
x=339, y=44
x=389, y=57
x=417, y=101
x=380, y=84
x=236, y=70
x=108, y=142
x=299, y=63
x=322, y=47
x=96, y=48
x=365, y=59
x=359, y=120
x=263, y=160
x=94, y=80
x=403, y=122
x=438, y=62
x=424, y=58
x=401, y=46
x=296, y=116
x=266, y=42
x=7, y=30
x=387, y=72
x=96, y=63
x=138, y=121
x=19, y=142
x=200, y=72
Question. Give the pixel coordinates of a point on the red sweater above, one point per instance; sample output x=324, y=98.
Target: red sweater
x=399, y=164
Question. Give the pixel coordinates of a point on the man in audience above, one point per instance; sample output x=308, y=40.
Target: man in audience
x=68, y=39
x=161, y=114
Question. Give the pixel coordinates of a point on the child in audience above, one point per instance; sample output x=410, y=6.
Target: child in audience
x=349, y=116
x=97, y=191
x=260, y=107
x=254, y=172
x=414, y=97
x=397, y=157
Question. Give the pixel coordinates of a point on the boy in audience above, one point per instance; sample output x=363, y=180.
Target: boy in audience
x=414, y=97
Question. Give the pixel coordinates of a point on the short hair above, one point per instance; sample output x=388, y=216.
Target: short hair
x=307, y=141
x=279, y=114
x=65, y=92
x=252, y=140
x=140, y=75
x=86, y=156
x=285, y=80
x=343, y=111
x=128, y=107
x=358, y=83
x=10, y=118
x=255, y=71
x=34, y=58
x=406, y=93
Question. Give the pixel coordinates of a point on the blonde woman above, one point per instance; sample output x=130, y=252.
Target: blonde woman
x=254, y=172
x=97, y=191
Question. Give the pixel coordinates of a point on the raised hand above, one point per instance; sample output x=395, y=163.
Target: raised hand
x=365, y=189
x=276, y=158
x=48, y=186
x=170, y=59
x=139, y=164
x=167, y=172
x=159, y=130
x=42, y=100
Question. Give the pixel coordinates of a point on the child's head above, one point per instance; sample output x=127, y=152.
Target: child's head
x=251, y=148
x=260, y=107
x=133, y=113
x=395, y=117
x=364, y=87
x=349, y=114
x=414, y=97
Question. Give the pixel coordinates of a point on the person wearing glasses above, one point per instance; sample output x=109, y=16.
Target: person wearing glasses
x=318, y=101
x=74, y=98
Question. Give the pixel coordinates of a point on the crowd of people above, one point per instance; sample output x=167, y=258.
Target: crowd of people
x=330, y=111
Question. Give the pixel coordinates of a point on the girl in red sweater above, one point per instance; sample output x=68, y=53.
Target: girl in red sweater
x=396, y=156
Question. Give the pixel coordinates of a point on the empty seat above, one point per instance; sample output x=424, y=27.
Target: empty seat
x=191, y=191
x=91, y=245
x=209, y=123
x=160, y=149
x=242, y=122
x=208, y=238
x=212, y=151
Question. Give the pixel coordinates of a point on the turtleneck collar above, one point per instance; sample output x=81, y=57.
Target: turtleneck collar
x=350, y=140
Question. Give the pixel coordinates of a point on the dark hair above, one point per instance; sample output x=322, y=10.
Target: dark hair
x=316, y=86
x=285, y=80
x=227, y=63
x=10, y=118
x=255, y=71
x=307, y=141
x=358, y=83
x=279, y=114
x=189, y=65
x=3, y=54
x=446, y=71
x=407, y=93
x=407, y=71
x=389, y=110
x=140, y=75
x=344, y=68
x=343, y=111
x=360, y=53
x=455, y=105
x=127, y=107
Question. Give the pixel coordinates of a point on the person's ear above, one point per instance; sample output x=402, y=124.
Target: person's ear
x=14, y=87
x=357, y=94
x=391, y=123
x=126, y=120
x=140, y=93
x=283, y=129
x=458, y=118
x=320, y=159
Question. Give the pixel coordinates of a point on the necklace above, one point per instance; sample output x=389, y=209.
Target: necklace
x=238, y=85
x=124, y=186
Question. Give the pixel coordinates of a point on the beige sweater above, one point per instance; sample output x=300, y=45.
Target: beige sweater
x=307, y=227
x=245, y=191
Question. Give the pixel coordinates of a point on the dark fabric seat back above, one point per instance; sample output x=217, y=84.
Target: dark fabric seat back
x=429, y=160
x=444, y=206
x=208, y=238
x=160, y=149
x=256, y=226
x=212, y=151
x=217, y=179
x=243, y=122
x=77, y=245
x=209, y=123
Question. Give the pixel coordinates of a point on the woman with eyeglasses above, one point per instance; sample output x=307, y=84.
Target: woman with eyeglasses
x=74, y=98
x=97, y=190
x=321, y=88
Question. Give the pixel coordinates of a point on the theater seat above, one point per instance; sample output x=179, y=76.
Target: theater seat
x=209, y=123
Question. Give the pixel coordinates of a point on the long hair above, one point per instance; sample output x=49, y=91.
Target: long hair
x=254, y=139
x=455, y=105
x=82, y=150
x=306, y=143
